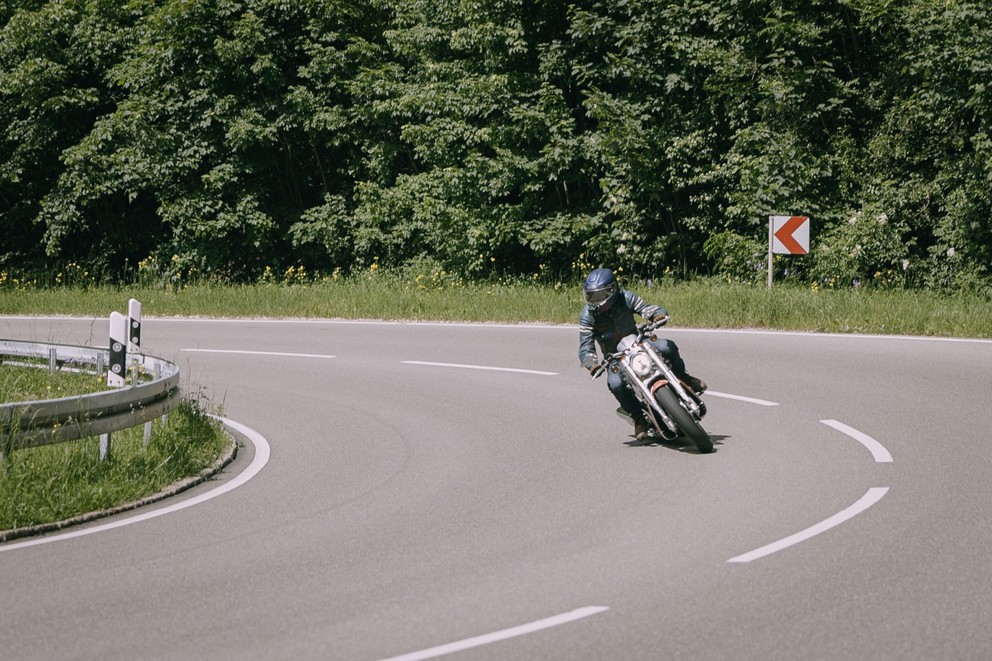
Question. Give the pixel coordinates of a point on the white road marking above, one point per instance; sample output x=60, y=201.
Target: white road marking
x=751, y=400
x=478, y=367
x=488, y=638
x=257, y=463
x=485, y=325
x=261, y=353
x=871, y=497
x=881, y=455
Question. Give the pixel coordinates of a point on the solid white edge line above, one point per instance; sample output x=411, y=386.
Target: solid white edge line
x=871, y=497
x=750, y=400
x=260, y=353
x=258, y=462
x=478, y=367
x=497, y=636
x=484, y=325
x=877, y=450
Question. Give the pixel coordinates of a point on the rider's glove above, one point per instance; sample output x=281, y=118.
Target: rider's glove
x=590, y=363
x=661, y=315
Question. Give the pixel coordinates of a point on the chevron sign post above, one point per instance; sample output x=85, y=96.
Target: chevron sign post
x=787, y=235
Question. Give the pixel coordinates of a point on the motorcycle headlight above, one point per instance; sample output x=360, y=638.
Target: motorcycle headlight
x=641, y=364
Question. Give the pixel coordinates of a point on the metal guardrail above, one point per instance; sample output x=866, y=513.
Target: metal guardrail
x=43, y=422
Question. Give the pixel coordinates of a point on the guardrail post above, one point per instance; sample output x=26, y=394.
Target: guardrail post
x=104, y=446
x=53, y=361
x=148, y=425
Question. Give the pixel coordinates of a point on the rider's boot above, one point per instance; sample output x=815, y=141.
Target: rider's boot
x=698, y=385
x=640, y=426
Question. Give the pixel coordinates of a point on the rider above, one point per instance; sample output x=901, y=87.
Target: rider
x=606, y=318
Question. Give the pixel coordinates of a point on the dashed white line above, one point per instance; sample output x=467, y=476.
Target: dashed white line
x=877, y=450
x=750, y=400
x=478, y=367
x=486, y=639
x=261, y=353
x=871, y=497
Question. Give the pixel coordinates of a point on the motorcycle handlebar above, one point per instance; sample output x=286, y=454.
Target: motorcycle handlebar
x=642, y=329
x=651, y=325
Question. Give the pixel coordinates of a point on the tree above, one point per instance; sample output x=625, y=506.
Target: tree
x=232, y=124
x=927, y=167
x=53, y=59
x=483, y=164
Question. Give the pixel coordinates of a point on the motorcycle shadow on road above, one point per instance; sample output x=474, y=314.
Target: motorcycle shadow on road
x=680, y=444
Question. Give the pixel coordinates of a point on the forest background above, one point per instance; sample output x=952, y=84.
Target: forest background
x=227, y=139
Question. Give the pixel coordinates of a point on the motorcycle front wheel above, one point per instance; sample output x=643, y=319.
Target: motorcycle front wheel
x=686, y=423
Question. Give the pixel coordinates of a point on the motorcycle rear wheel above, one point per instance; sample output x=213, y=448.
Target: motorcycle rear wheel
x=686, y=423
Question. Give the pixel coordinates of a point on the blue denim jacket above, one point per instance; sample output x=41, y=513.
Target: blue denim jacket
x=608, y=328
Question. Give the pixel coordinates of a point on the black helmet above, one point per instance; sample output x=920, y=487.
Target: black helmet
x=600, y=289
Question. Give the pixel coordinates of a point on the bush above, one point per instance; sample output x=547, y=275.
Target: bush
x=737, y=258
x=866, y=250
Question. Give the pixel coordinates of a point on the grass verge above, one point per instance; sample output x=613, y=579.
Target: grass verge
x=56, y=482
x=19, y=383
x=700, y=304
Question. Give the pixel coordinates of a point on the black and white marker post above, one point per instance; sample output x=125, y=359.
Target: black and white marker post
x=133, y=326
x=134, y=348
x=115, y=372
x=118, y=350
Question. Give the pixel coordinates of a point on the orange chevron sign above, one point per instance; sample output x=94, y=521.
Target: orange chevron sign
x=789, y=234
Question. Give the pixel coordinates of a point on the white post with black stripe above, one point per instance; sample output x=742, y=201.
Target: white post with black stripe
x=117, y=367
x=118, y=351
x=133, y=326
x=134, y=348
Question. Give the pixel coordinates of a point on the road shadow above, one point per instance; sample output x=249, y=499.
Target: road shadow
x=680, y=444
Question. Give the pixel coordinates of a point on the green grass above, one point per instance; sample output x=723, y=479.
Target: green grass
x=19, y=383
x=56, y=482
x=702, y=303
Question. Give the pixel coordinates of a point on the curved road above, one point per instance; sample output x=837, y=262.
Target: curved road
x=414, y=505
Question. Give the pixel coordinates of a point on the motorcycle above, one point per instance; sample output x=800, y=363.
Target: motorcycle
x=670, y=406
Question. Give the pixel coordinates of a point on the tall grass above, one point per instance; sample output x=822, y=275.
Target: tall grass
x=702, y=303
x=889, y=312
x=56, y=482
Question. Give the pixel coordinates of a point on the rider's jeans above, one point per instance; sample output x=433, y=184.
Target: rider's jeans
x=617, y=382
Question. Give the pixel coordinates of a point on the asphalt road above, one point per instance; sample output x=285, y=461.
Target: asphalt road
x=413, y=505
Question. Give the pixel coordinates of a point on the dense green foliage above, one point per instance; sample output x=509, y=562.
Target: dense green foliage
x=221, y=137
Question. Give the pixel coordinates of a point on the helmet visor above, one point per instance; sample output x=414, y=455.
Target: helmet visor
x=600, y=296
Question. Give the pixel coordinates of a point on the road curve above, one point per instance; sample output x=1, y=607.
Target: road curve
x=465, y=490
